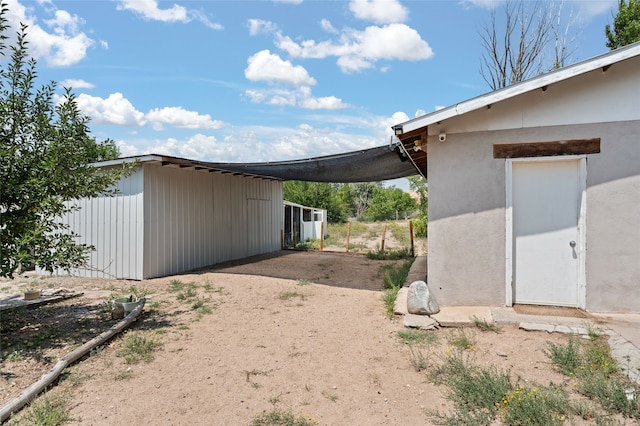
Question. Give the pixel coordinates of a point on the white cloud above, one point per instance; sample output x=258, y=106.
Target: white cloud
x=262, y=143
x=115, y=109
x=326, y=102
x=300, y=97
x=359, y=50
x=62, y=45
x=265, y=66
x=328, y=27
x=76, y=84
x=119, y=111
x=288, y=1
x=379, y=11
x=179, y=117
x=150, y=10
x=259, y=26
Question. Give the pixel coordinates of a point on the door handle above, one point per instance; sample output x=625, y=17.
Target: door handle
x=572, y=244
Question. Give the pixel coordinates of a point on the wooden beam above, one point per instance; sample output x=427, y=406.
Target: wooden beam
x=547, y=149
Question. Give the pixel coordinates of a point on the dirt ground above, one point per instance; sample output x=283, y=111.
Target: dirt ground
x=299, y=331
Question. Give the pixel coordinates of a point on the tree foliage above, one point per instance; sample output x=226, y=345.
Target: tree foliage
x=626, y=25
x=316, y=194
x=419, y=184
x=389, y=204
x=366, y=200
x=46, y=153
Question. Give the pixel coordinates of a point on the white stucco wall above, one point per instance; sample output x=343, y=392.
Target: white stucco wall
x=467, y=215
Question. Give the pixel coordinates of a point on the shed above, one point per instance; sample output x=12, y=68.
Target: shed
x=534, y=190
x=302, y=223
x=174, y=215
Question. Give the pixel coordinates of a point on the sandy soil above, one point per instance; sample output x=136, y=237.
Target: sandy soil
x=298, y=331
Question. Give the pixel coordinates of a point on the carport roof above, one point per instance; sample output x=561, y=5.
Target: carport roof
x=367, y=165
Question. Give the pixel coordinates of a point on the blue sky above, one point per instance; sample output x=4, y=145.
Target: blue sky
x=251, y=81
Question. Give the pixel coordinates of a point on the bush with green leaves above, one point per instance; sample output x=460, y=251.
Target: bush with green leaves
x=47, y=154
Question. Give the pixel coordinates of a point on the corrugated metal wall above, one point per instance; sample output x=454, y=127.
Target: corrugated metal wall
x=113, y=225
x=183, y=220
x=197, y=218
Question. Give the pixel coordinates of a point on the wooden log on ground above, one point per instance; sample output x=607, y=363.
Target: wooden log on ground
x=32, y=391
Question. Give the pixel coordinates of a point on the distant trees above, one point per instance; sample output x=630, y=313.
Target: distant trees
x=317, y=194
x=517, y=48
x=367, y=201
x=626, y=25
x=46, y=153
x=419, y=185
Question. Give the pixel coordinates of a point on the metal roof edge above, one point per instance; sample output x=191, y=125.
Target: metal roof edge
x=131, y=159
x=583, y=67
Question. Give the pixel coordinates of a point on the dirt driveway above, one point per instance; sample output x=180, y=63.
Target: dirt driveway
x=298, y=331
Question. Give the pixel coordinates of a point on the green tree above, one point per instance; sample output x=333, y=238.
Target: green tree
x=362, y=196
x=316, y=194
x=419, y=184
x=45, y=163
x=389, y=203
x=626, y=25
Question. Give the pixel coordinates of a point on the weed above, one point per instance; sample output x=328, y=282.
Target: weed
x=534, y=406
x=460, y=340
x=396, y=275
x=200, y=307
x=565, y=357
x=123, y=375
x=330, y=396
x=419, y=357
x=188, y=293
x=283, y=418
x=389, y=297
x=597, y=375
x=138, y=346
x=176, y=285
x=288, y=295
x=411, y=337
x=47, y=410
x=393, y=254
x=274, y=400
x=139, y=292
x=15, y=355
x=484, y=325
x=303, y=281
x=254, y=373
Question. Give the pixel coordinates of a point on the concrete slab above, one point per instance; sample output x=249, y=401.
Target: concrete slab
x=418, y=270
x=461, y=316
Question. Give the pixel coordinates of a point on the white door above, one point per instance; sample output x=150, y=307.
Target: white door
x=546, y=197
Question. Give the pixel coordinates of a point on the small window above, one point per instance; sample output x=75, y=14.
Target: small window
x=318, y=217
x=306, y=215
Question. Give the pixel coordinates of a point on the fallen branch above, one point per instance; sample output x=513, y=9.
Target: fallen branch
x=48, y=378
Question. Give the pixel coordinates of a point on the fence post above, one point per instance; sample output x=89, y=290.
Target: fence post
x=321, y=236
x=348, y=234
x=411, y=237
x=384, y=231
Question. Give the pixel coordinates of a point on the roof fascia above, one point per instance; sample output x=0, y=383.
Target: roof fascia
x=603, y=61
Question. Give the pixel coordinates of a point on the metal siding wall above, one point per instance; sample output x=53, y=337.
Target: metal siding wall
x=103, y=222
x=167, y=220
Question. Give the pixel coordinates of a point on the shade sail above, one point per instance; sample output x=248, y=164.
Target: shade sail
x=367, y=165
